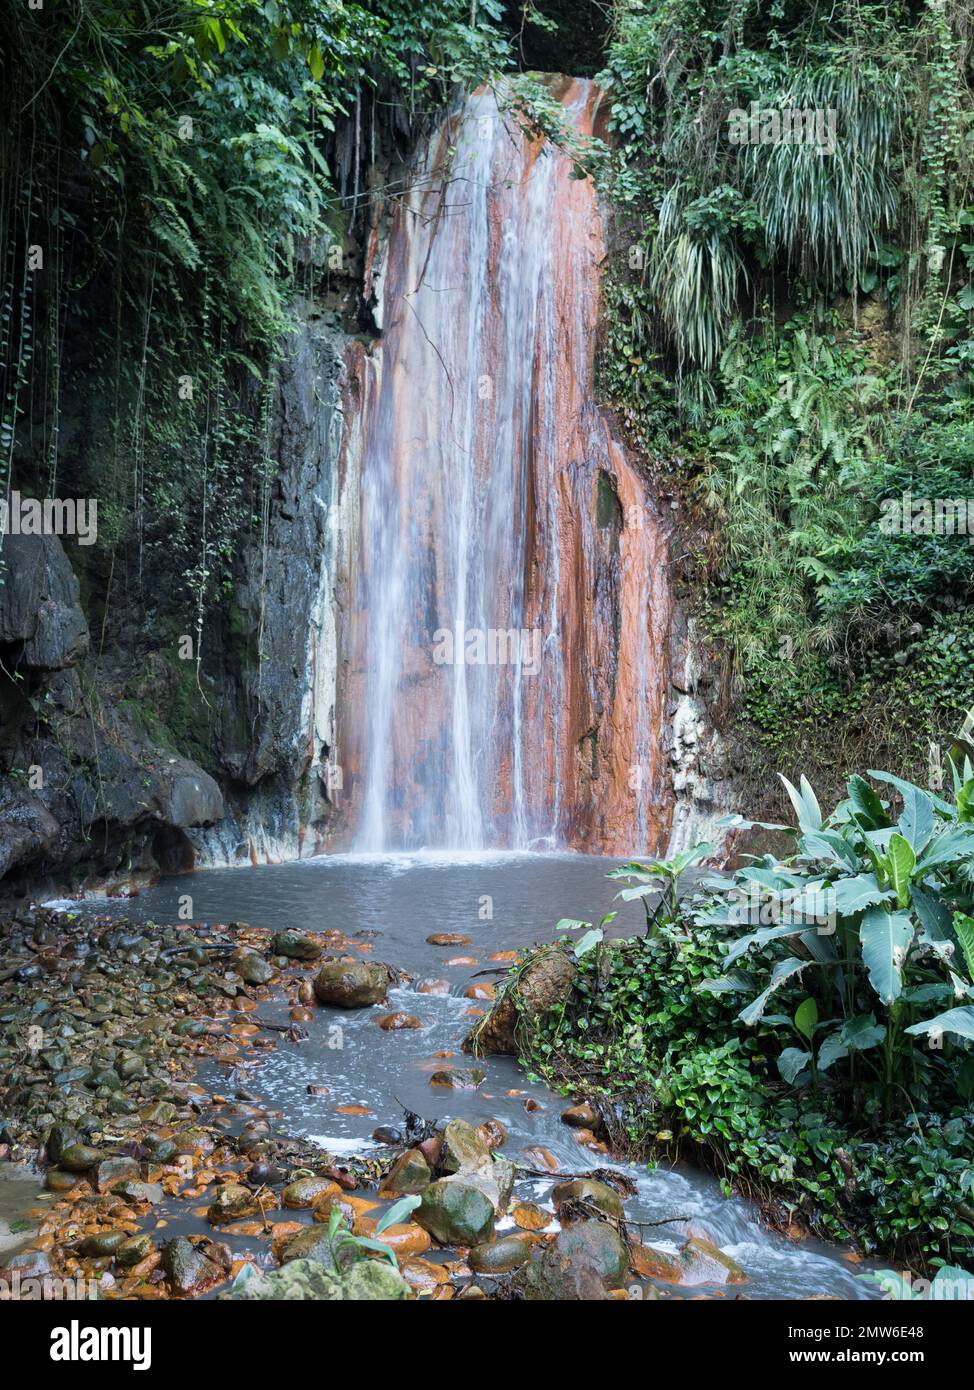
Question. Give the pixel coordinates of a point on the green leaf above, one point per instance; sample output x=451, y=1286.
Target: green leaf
x=900, y=862
x=959, y=1021
x=964, y=928
x=588, y=942
x=396, y=1213
x=791, y=1062
x=861, y=1033
x=916, y=822
x=783, y=971
x=885, y=938
x=833, y=1049
x=316, y=63
x=806, y=1017
x=867, y=805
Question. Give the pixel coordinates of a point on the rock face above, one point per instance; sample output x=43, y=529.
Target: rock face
x=150, y=761
x=546, y=981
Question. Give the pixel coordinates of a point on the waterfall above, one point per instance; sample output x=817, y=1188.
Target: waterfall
x=507, y=669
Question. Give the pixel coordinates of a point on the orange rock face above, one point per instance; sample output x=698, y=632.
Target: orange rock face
x=507, y=645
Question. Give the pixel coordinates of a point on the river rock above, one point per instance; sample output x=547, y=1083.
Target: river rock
x=409, y=1174
x=310, y=1244
x=134, y=1249
x=501, y=1256
x=589, y=1192
x=304, y=1192
x=189, y=1271
x=135, y=1191
x=583, y=1263
x=393, y=1023
x=448, y=938
x=457, y=1079
x=60, y=1138
x=294, y=945
x=78, y=1158
x=232, y=1201
x=254, y=970
x=109, y=1171
x=702, y=1262
x=462, y=1148
x=102, y=1243
x=352, y=984
x=456, y=1211
x=364, y=1281
x=545, y=981
x=493, y=1133
x=580, y=1117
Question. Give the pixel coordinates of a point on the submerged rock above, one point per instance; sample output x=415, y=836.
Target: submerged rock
x=231, y=1202
x=352, y=984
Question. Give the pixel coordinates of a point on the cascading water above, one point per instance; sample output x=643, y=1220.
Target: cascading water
x=507, y=672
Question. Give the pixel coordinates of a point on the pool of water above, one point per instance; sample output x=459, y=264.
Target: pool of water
x=499, y=901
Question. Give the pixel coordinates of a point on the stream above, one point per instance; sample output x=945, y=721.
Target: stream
x=396, y=901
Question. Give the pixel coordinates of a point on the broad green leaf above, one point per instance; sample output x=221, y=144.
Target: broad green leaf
x=806, y=1017
x=571, y=924
x=833, y=1049
x=781, y=974
x=805, y=804
x=955, y=846
x=867, y=805
x=885, y=938
x=959, y=1021
x=900, y=862
x=761, y=938
x=916, y=822
x=862, y=1032
x=964, y=928
x=587, y=942
x=905, y=788
x=851, y=895
x=791, y=1062
x=396, y=1213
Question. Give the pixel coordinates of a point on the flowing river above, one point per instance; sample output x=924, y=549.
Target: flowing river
x=396, y=901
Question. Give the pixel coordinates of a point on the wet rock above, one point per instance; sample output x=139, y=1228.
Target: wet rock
x=405, y=1238
x=231, y=1202
x=580, y=1117
x=544, y=982
x=701, y=1262
x=586, y=1192
x=304, y=1192
x=60, y=1138
x=387, y=1134
x=134, y=1249
x=392, y=1023
x=493, y=1133
x=109, y=1171
x=364, y=1281
x=78, y=1158
x=59, y=1181
x=456, y=1211
x=500, y=1256
x=294, y=945
x=28, y=1264
x=135, y=1191
x=433, y=987
x=583, y=1263
x=103, y=1243
x=462, y=1148
x=310, y=1244
x=254, y=970
x=352, y=984
x=455, y=1079
x=409, y=1174
x=189, y=1271
x=448, y=938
